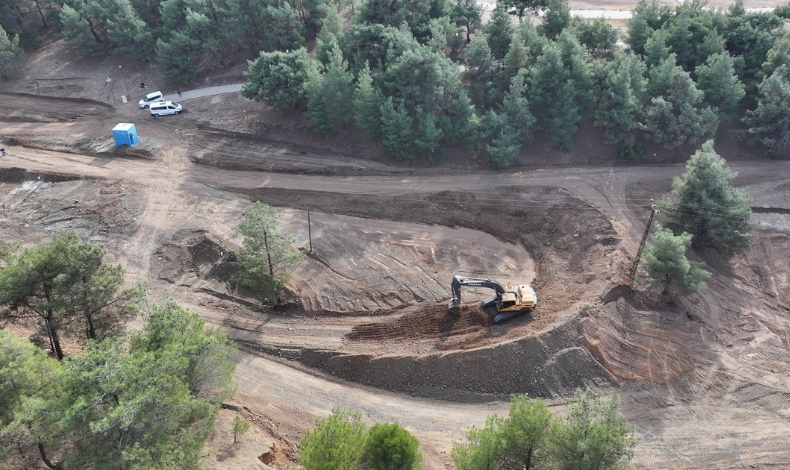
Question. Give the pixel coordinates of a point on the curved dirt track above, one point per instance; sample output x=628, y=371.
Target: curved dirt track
x=704, y=387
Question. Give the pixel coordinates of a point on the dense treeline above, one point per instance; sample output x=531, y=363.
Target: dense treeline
x=391, y=67
x=133, y=399
x=592, y=436
x=683, y=75
x=390, y=72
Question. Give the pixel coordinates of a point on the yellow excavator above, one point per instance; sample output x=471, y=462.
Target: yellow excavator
x=505, y=304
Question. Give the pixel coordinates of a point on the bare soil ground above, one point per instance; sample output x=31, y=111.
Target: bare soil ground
x=365, y=326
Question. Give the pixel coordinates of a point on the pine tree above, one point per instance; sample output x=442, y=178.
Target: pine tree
x=515, y=60
x=66, y=287
x=723, y=91
x=429, y=134
x=656, y=49
x=598, y=36
x=484, y=450
x=556, y=19
x=284, y=31
x=592, y=436
x=778, y=55
x=620, y=98
x=329, y=95
x=267, y=256
x=750, y=37
x=680, y=40
x=515, y=107
x=176, y=57
x=499, y=32
x=528, y=34
x=397, y=133
x=646, y=17
x=676, y=114
x=505, y=145
x=367, y=105
x=127, y=33
x=278, y=78
x=524, y=433
x=336, y=442
x=469, y=14
x=521, y=7
x=331, y=22
x=458, y=120
x=770, y=122
x=239, y=426
x=316, y=104
x=10, y=53
x=338, y=91
x=390, y=447
x=711, y=45
x=554, y=98
x=82, y=31
x=480, y=70
x=664, y=260
x=707, y=205
x=579, y=70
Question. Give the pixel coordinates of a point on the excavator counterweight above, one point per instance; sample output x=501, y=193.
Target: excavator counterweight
x=504, y=304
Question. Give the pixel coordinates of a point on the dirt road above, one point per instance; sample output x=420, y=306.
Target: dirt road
x=705, y=380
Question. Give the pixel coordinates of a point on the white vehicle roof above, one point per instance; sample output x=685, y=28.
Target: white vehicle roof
x=153, y=95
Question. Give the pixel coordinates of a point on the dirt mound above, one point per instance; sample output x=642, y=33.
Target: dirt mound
x=193, y=254
x=571, y=242
x=550, y=365
x=658, y=345
x=428, y=352
x=431, y=323
x=245, y=152
x=20, y=175
x=22, y=107
x=53, y=203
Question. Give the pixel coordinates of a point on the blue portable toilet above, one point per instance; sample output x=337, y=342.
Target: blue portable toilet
x=125, y=134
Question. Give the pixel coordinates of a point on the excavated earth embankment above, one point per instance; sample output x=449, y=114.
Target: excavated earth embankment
x=421, y=350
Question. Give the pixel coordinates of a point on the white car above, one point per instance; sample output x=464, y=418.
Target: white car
x=165, y=107
x=155, y=97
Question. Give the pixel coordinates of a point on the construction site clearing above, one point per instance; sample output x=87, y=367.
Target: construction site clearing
x=365, y=324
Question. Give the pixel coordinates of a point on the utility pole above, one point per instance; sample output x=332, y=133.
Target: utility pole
x=112, y=85
x=123, y=72
x=309, y=232
x=653, y=212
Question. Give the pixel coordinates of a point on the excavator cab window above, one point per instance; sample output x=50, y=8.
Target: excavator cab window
x=508, y=304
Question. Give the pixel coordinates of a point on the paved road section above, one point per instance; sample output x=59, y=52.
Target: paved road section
x=203, y=92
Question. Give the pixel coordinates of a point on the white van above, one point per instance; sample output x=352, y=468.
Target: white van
x=165, y=107
x=155, y=97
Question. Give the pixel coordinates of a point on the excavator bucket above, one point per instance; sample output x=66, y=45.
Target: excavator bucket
x=454, y=306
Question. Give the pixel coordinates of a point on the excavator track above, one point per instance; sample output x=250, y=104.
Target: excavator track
x=488, y=301
x=508, y=315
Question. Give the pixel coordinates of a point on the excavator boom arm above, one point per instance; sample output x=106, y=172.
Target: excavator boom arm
x=459, y=281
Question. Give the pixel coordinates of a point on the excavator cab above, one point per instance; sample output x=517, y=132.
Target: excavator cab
x=509, y=300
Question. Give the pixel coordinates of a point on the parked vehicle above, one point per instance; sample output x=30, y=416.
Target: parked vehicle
x=165, y=107
x=155, y=97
